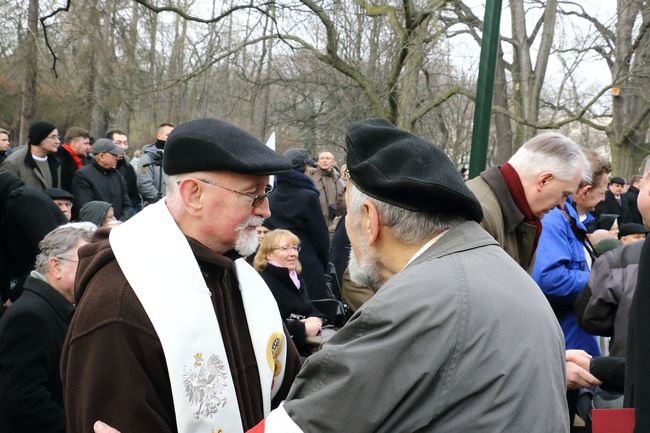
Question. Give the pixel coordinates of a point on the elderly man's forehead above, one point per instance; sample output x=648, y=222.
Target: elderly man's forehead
x=324, y=155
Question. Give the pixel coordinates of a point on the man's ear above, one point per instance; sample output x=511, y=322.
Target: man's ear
x=373, y=222
x=191, y=195
x=542, y=179
x=583, y=190
x=54, y=267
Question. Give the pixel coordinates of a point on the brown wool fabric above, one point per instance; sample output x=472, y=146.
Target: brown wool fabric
x=113, y=365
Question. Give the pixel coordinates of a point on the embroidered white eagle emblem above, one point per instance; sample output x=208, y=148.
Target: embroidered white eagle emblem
x=205, y=385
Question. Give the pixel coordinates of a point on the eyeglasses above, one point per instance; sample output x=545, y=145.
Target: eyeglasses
x=258, y=199
x=287, y=248
x=68, y=260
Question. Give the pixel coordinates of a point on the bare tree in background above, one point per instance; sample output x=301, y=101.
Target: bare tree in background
x=28, y=109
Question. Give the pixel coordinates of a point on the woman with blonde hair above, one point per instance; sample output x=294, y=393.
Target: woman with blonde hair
x=277, y=262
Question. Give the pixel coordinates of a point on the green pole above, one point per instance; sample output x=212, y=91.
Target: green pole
x=485, y=87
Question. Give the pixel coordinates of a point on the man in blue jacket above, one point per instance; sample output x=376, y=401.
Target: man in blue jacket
x=562, y=263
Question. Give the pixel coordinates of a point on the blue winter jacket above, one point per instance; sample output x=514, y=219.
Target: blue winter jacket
x=561, y=272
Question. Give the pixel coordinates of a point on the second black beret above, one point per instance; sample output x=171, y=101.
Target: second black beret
x=402, y=169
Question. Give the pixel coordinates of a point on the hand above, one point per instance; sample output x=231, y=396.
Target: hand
x=580, y=357
x=101, y=427
x=312, y=326
x=578, y=377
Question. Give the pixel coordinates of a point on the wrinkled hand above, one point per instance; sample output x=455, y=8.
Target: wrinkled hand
x=312, y=326
x=101, y=427
x=579, y=357
x=578, y=377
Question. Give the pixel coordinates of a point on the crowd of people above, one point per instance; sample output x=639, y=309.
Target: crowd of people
x=180, y=290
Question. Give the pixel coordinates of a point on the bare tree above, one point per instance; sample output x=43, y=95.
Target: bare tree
x=28, y=110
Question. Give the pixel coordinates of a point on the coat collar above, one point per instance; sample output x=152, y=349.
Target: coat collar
x=512, y=216
x=59, y=304
x=51, y=161
x=466, y=236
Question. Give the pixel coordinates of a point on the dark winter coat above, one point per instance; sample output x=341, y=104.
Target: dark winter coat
x=608, y=206
x=295, y=206
x=637, y=373
x=31, y=337
x=94, y=182
x=291, y=300
x=26, y=216
x=22, y=165
x=629, y=208
x=68, y=167
x=128, y=173
x=603, y=307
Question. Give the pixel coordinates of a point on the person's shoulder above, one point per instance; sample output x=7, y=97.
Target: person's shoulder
x=103, y=294
x=17, y=155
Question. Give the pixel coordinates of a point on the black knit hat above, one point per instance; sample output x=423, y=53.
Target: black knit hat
x=299, y=157
x=399, y=168
x=39, y=132
x=213, y=145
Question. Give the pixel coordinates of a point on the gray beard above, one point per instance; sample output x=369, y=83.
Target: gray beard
x=246, y=243
x=365, y=273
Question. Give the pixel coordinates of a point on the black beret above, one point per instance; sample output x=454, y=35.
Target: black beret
x=299, y=157
x=58, y=194
x=618, y=180
x=213, y=145
x=631, y=229
x=399, y=168
x=39, y=131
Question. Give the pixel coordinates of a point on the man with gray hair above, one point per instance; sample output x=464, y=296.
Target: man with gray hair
x=441, y=346
x=31, y=336
x=537, y=178
x=195, y=336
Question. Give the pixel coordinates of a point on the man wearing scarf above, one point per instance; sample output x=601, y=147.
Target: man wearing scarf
x=173, y=331
x=515, y=196
x=73, y=154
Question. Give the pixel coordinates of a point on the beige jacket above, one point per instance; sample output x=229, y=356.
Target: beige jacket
x=502, y=218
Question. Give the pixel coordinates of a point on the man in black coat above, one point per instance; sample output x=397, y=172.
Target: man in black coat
x=26, y=216
x=120, y=139
x=73, y=154
x=637, y=374
x=295, y=206
x=31, y=337
x=101, y=181
x=629, y=208
x=613, y=201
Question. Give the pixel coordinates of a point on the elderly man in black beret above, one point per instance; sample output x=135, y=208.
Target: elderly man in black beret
x=173, y=331
x=458, y=338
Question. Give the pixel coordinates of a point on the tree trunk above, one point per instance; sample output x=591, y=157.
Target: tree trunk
x=28, y=109
x=503, y=142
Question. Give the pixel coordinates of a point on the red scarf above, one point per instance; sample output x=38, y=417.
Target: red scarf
x=75, y=158
x=513, y=182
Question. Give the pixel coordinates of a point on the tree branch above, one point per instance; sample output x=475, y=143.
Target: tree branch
x=188, y=17
x=47, y=39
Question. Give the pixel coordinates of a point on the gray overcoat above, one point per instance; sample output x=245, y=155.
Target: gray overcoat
x=462, y=340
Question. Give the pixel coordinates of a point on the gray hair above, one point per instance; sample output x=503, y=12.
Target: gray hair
x=58, y=243
x=171, y=188
x=407, y=226
x=554, y=152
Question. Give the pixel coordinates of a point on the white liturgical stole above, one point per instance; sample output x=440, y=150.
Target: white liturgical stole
x=158, y=263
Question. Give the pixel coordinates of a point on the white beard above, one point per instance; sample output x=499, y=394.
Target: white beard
x=365, y=273
x=246, y=243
